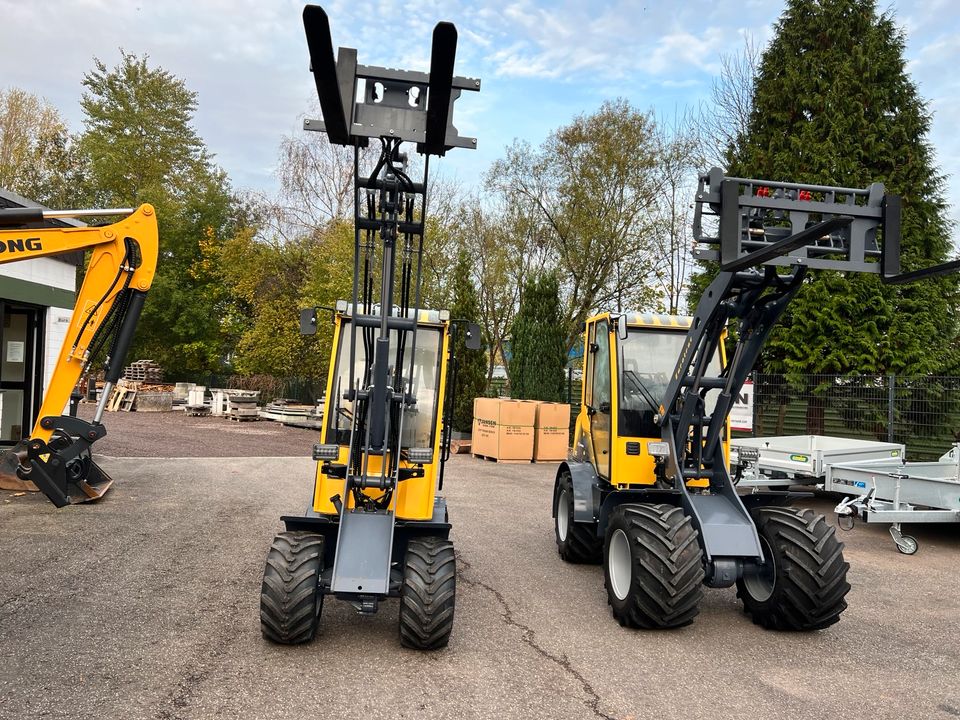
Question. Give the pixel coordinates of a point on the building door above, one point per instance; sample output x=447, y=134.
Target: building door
x=21, y=373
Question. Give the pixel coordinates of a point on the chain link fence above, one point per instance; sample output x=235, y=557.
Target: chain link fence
x=921, y=412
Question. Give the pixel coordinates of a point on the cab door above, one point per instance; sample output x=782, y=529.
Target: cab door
x=598, y=397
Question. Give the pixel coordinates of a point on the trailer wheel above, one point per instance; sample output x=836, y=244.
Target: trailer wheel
x=907, y=544
x=653, y=568
x=576, y=542
x=290, y=598
x=428, y=594
x=802, y=584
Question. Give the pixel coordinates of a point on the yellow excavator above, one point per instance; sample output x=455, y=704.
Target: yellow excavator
x=56, y=457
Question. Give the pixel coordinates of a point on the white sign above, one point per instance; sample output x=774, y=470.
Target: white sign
x=741, y=414
x=15, y=351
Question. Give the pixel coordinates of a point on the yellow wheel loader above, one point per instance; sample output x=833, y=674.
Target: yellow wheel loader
x=647, y=490
x=376, y=527
x=56, y=457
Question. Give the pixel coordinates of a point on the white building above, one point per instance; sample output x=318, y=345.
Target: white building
x=36, y=302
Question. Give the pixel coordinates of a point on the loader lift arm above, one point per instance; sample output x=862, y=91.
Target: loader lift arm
x=123, y=259
x=759, y=226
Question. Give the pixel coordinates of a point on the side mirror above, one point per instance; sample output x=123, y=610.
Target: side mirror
x=308, y=321
x=473, y=338
x=622, y=327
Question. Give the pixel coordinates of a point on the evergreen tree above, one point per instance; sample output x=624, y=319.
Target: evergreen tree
x=471, y=364
x=833, y=105
x=538, y=342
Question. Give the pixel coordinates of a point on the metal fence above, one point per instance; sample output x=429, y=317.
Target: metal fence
x=921, y=412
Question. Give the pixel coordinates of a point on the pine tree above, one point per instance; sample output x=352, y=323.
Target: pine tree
x=834, y=105
x=471, y=364
x=537, y=342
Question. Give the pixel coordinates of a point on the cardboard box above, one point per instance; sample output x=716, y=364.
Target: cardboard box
x=503, y=429
x=551, y=432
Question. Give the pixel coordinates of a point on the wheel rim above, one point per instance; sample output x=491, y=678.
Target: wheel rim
x=761, y=583
x=619, y=564
x=563, y=515
x=907, y=545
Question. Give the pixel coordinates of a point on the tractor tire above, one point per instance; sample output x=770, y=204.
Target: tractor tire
x=803, y=584
x=290, y=598
x=653, y=567
x=428, y=594
x=576, y=542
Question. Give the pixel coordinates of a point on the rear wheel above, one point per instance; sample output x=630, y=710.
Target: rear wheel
x=653, y=568
x=576, y=542
x=802, y=584
x=290, y=598
x=428, y=595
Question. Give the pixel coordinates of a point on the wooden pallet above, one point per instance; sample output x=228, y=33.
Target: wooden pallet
x=196, y=410
x=490, y=458
x=122, y=398
x=243, y=418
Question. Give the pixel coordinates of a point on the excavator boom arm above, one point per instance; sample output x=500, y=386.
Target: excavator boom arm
x=120, y=271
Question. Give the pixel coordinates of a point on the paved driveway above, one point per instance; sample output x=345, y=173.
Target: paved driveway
x=146, y=606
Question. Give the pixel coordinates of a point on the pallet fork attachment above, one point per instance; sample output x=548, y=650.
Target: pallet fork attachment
x=57, y=457
x=758, y=229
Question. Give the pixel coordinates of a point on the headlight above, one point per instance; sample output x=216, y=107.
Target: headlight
x=326, y=452
x=420, y=455
x=658, y=449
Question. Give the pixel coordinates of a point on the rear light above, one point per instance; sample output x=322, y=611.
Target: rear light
x=764, y=191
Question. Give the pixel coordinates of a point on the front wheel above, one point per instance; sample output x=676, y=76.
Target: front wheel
x=576, y=542
x=653, y=568
x=290, y=598
x=428, y=595
x=803, y=581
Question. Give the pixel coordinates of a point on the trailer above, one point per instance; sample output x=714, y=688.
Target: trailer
x=803, y=459
x=881, y=487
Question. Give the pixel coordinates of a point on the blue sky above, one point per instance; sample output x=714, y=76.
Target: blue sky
x=542, y=62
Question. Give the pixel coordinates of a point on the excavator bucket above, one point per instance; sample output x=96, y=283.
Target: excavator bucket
x=63, y=470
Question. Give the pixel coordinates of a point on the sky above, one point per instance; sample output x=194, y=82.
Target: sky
x=542, y=62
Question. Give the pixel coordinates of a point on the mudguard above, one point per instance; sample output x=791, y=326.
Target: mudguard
x=584, y=479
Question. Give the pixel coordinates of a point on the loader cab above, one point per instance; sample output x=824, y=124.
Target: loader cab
x=422, y=424
x=628, y=361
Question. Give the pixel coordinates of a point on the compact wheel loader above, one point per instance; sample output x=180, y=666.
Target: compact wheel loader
x=377, y=527
x=56, y=457
x=647, y=490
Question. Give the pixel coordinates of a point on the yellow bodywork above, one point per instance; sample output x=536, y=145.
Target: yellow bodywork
x=107, y=249
x=414, y=497
x=631, y=469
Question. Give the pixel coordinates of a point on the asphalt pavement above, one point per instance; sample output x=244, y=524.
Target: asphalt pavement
x=146, y=606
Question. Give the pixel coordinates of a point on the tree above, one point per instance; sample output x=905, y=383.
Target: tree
x=38, y=156
x=679, y=157
x=722, y=122
x=142, y=147
x=498, y=259
x=538, y=342
x=582, y=201
x=471, y=364
x=834, y=105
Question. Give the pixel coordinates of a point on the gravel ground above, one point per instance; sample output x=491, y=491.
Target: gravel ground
x=145, y=606
x=176, y=434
